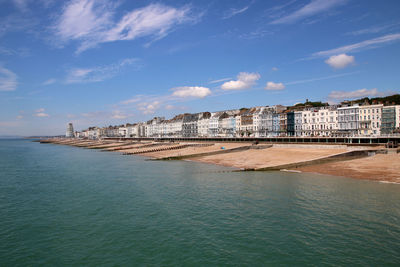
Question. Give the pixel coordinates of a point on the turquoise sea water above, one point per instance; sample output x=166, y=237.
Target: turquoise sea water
x=68, y=206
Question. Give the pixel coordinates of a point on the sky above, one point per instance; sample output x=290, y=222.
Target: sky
x=100, y=63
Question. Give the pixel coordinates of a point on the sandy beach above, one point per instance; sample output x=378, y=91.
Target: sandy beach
x=324, y=159
x=380, y=167
x=262, y=158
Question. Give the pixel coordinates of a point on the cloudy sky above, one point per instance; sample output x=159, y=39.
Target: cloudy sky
x=111, y=62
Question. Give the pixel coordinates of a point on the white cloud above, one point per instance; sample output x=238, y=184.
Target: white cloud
x=172, y=107
x=373, y=29
x=321, y=78
x=220, y=80
x=6, y=51
x=234, y=11
x=83, y=20
x=342, y=95
x=131, y=100
x=98, y=74
x=42, y=114
x=21, y=52
x=149, y=104
x=49, y=81
x=367, y=44
x=90, y=22
x=135, y=99
x=340, y=61
x=278, y=11
x=16, y=23
x=21, y=4
x=154, y=20
x=274, y=86
x=118, y=115
x=93, y=114
x=274, y=69
x=20, y=117
x=313, y=8
x=149, y=108
x=244, y=80
x=191, y=91
x=8, y=80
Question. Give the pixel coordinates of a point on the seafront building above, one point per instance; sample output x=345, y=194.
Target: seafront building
x=70, y=131
x=298, y=123
x=388, y=120
x=344, y=120
x=397, y=111
x=348, y=118
x=189, y=125
x=246, y=123
x=370, y=119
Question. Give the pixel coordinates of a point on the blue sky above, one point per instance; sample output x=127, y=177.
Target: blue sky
x=111, y=62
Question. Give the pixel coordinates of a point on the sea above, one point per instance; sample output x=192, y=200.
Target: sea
x=69, y=206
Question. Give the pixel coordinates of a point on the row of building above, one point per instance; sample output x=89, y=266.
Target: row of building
x=268, y=121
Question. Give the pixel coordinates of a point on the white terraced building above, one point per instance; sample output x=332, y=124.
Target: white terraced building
x=370, y=120
x=298, y=116
x=132, y=130
x=328, y=121
x=213, y=124
x=348, y=119
x=258, y=127
x=351, y=121
x=202, y=126
x=228, y=126
x=319, y=122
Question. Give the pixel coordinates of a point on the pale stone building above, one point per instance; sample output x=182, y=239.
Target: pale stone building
x=227, y=125
x=203, y=124
x=370, y=120
x=348, y=120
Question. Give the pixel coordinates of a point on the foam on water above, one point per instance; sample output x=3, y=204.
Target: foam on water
x=388, y=182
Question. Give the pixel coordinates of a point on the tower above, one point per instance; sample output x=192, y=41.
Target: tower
x=70, y=131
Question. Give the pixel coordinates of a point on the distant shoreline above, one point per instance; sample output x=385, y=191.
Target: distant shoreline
x=360, y=162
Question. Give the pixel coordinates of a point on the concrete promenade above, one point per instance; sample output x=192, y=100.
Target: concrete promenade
x=276, y=140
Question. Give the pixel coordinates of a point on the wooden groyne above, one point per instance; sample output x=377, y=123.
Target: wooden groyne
x=170, y=146
x=221, y=151
x=156, y=149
